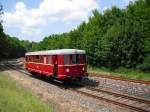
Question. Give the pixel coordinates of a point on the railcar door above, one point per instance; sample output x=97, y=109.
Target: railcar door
x=55, y=66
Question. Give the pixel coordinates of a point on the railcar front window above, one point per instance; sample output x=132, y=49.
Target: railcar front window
x=74, y=59
x=82, y=58
x=29, y=58
x=77, y=59
x=26, y=58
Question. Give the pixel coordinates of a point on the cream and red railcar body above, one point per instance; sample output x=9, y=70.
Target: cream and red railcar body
x=60, y=64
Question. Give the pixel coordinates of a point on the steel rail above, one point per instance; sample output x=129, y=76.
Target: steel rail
x=111, y=101
x=122, y=79
x=121, y=95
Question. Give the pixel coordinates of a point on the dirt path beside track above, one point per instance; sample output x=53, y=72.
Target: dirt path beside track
x=43, y=91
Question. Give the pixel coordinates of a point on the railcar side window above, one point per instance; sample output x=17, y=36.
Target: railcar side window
x=40, y=59
x=32, y=58
x=74, y=59
x=66, y=59
x=44, y=59
x=49, y=59
x=37, y=59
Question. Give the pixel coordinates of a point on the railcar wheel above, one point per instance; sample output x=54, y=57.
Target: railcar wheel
x=80, y=79
x=33, y=73
x=42, y=76
x=51, y=78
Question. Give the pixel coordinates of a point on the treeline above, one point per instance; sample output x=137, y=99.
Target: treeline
x=11, y=47
x=114, y=38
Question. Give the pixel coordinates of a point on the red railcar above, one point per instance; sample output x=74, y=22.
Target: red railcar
x=60, y=64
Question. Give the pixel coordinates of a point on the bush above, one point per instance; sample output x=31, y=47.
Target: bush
x=145, y=66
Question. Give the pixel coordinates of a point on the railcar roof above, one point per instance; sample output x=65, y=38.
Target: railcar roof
x=57, y=52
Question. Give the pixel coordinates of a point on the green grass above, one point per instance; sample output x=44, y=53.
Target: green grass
x=15, y=98
x=121, y=72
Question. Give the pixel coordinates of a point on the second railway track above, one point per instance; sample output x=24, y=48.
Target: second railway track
x=121, y=79
x=133, y=103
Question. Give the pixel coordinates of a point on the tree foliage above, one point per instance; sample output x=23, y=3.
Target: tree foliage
x=10, y=47
x=114, y=38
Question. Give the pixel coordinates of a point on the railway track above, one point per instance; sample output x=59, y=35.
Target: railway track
x=133, y=103
x=121, y=79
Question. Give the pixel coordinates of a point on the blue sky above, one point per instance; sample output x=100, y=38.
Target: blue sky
x=34, y=19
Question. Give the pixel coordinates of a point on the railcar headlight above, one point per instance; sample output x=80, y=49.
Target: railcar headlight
x=67, y=70
x=83, y=68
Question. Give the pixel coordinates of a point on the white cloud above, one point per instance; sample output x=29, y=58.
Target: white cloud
x=28, y=20
x=20, y=6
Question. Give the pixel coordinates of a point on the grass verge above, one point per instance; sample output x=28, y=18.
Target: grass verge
x=121, y=72
x=15, y=98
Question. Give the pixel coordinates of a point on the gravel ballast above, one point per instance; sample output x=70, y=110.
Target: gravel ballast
x=125, y=87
